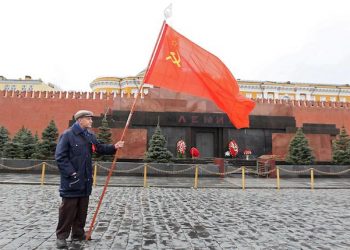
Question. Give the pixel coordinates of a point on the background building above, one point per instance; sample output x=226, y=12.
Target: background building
x=126, y=86
x=251, y=89
x=26, y=84
x=295, y=91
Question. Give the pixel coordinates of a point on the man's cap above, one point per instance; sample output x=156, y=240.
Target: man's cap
x=83, y=113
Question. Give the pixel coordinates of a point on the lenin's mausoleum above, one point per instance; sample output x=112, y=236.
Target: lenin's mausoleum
x=321, y=110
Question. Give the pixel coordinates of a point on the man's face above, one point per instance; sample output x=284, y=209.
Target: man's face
x=85, y=122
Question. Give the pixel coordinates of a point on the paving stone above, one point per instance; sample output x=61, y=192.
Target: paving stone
x=177, y=218
x=4, y=242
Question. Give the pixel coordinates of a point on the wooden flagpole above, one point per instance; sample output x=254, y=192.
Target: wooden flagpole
x=92, y=224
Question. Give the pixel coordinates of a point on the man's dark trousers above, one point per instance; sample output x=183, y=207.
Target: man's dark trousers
x=72, y=216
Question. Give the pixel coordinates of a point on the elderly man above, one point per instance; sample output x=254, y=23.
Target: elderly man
x=73, y=156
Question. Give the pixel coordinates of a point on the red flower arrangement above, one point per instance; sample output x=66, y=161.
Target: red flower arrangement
x=194, y=152
x=247, y=152
x=233, y=148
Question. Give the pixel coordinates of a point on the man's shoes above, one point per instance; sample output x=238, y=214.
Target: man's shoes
x=61, y=243
x=81, y=238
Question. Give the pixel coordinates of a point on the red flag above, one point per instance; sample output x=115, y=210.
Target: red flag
x=183, y=66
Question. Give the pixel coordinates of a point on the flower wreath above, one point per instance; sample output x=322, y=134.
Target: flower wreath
x=181, y=147
x=233, y=148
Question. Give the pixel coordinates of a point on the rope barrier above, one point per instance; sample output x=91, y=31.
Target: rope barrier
x=171, y=172
x=295, y=171
x=95, y=175
x=51, y=166
x=243, y=178
x=278, y=178
x=218, y=173
x=243, y=170
x=328, y=173
x=260, y=173
x=43, y=173
x=196, y=178
x=121, y=171
x=20, y=169
x=145, y=176
x=203, y=168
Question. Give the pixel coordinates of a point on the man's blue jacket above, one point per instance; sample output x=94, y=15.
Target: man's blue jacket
x=73, y=154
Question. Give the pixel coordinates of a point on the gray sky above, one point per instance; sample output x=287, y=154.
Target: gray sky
x=72, y=42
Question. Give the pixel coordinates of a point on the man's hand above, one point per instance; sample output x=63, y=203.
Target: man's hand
x=119, y=144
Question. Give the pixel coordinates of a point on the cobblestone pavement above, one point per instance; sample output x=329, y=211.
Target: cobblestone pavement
x=183, y=218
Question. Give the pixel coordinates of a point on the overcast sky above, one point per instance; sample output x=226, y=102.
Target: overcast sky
x=72, y=42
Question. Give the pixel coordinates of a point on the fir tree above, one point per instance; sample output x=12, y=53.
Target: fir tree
x=157, y=151
x=37, y=146
x=104, y=136
x=47, y=146
x=4, y=138
x=11, y=149
x=299, y=151
x=36, y=138
x=24, y=143
x=341, y=148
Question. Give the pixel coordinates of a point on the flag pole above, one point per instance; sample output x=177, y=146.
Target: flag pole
x=92, y=224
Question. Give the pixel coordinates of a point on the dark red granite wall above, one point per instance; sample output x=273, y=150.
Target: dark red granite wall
x=34, y=110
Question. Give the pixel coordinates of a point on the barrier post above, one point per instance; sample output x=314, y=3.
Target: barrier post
x=95, y=174
x=243, y=178
x=196, y=178
x=278, y=178
x=312, y=178
x=145, y=176
x=43, y=173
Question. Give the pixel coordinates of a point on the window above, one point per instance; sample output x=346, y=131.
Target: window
x=302, y=97
x=259, y=96
x=323, y=99
x=270, y=95
x=248, y=95
x=342, y=99
x=333, y=99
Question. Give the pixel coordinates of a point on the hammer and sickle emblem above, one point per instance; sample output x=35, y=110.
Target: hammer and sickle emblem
x=175, y=58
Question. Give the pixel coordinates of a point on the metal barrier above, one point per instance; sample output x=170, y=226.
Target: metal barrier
x=243, y=170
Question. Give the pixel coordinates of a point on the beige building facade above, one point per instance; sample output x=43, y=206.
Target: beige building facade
x=127, y=86
x=295, y=91
x=26, y=85
x=252, y=89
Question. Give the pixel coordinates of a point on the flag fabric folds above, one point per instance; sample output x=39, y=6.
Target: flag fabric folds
x=183, y=66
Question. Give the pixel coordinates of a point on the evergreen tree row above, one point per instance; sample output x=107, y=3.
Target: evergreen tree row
x=25, y=145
